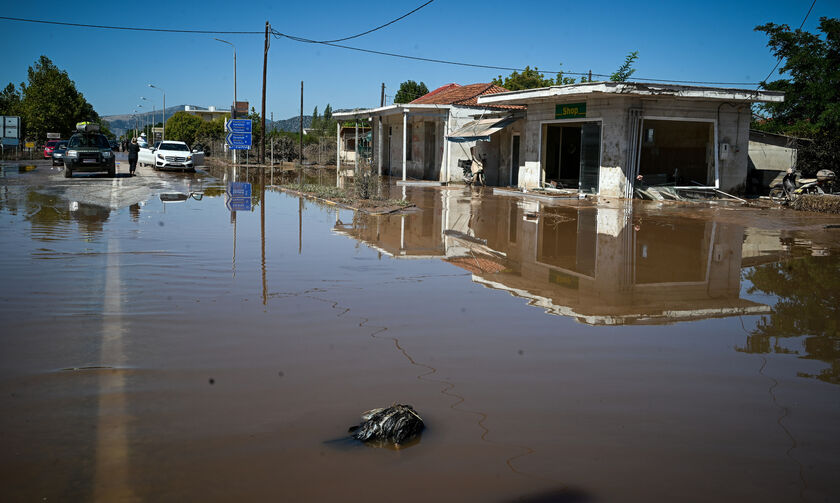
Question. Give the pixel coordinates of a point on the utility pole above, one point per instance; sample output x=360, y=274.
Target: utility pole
x=300, y=152
x=265, y=63
x=382, y=96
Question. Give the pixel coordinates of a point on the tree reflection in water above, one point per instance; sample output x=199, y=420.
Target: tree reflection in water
x=808, y=307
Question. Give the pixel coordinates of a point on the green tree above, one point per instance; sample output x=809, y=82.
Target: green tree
x=811, y=109
x=210, y=131
x=530, y=78
x=625, y=70
x=183, y=126
x=9, y=100
x=51, y=103
x=808, y=306
x=256, y=128
x=315, y=124
x=410, y=91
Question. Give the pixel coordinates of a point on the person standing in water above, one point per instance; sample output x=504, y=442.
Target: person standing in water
x=133, y=151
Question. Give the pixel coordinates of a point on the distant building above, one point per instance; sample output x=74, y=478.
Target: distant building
x=770, y=156
x=208, y=114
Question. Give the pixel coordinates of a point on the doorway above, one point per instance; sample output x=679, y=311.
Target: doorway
x=429, y=151
x=514, y=160
x=572, y=155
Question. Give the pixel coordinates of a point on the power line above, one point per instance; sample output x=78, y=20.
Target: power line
x=780, y=59
x=359, y=49
x=491, y=67
x=129, y=28
x=378, y=27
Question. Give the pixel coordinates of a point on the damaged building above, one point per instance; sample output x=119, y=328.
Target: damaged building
x=424, y=139
x=598, y=137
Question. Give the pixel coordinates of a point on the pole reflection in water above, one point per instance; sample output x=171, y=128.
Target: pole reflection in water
x=262, y=234
x=300, y=225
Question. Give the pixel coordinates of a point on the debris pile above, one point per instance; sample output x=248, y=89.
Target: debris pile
x=823, y=203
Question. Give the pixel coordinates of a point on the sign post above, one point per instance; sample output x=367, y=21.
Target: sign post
x=238, y=135
x=9, y=131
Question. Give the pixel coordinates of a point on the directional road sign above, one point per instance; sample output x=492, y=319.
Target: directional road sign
x=238, y=141
x=239, y=189
x=238, y=203
x=239, y=126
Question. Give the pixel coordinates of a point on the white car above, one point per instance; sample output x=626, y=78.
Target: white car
x=171, y=155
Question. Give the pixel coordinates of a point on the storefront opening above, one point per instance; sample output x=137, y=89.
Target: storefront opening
x=572, y=155
x=677, y=153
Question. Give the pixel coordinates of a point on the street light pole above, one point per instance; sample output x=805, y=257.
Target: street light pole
x=144, y=118
x=163, y=136
x=232, y=110
x=154, y=115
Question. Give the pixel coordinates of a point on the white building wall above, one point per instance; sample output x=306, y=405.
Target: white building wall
x=613, y=114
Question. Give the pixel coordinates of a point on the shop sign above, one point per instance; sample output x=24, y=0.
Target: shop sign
x=570, y=111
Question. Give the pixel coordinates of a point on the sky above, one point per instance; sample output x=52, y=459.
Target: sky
x=705, y=40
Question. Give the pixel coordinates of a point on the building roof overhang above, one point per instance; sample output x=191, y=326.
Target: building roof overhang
x=367, y=113
x=596, y=89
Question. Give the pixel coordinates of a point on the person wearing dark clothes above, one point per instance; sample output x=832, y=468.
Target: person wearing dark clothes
x=133, y=151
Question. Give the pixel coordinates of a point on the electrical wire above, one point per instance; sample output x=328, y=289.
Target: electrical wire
x=780, y=59
x=129, y=28
x=359, y=49
x=278, y=34
x=378, y=27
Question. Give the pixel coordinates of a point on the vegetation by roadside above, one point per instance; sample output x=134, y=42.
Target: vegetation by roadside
x=349, y=198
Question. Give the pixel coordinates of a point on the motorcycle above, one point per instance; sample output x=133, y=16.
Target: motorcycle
x=470, y=177
x=790, y=189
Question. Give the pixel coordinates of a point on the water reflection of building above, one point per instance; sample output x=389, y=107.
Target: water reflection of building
x=598, y=265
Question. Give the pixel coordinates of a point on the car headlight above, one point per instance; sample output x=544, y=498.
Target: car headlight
x=72, y=153
x=106, y=154
x=160, y=157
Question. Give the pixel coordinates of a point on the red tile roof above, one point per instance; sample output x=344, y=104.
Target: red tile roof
x=453, y=94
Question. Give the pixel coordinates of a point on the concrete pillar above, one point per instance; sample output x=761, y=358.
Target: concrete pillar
x=405, y=141
x=337, y=153
x=445, y=159
x=379, y=147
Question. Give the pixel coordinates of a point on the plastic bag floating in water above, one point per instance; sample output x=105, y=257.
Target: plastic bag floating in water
x=396, y=424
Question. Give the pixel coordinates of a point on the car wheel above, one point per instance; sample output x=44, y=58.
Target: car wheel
x=112, y=171
x=67, y=172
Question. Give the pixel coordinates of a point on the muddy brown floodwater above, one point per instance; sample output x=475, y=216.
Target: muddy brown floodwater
x=181, y=351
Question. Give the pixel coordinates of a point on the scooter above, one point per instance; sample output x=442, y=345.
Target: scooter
x=790, y=189
x=470, y=177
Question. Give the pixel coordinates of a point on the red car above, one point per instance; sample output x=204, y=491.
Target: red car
x=49, y=147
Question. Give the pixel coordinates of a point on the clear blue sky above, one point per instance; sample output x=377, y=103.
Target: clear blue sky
x=688, y=40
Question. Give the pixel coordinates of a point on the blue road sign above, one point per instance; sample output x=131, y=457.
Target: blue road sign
x=238, y=141
x=239, y=204
x=239, y=126
x=239, y=189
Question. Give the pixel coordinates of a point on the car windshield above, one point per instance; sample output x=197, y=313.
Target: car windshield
x=174, y=146
x=52, y=143
x=61, y=144
x=89, y=140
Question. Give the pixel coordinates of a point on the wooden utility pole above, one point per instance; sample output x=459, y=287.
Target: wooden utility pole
x=382, y=96
x=265, y=63
x=300, y=151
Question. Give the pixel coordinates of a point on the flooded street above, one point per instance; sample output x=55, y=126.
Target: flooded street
x=172, y=351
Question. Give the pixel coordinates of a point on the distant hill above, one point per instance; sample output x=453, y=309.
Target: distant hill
x=119, y=124
x=292, y=124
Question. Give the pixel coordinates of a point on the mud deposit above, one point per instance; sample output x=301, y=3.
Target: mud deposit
x=181, y=351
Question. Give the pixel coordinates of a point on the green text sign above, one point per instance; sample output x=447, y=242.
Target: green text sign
x=570, y=111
